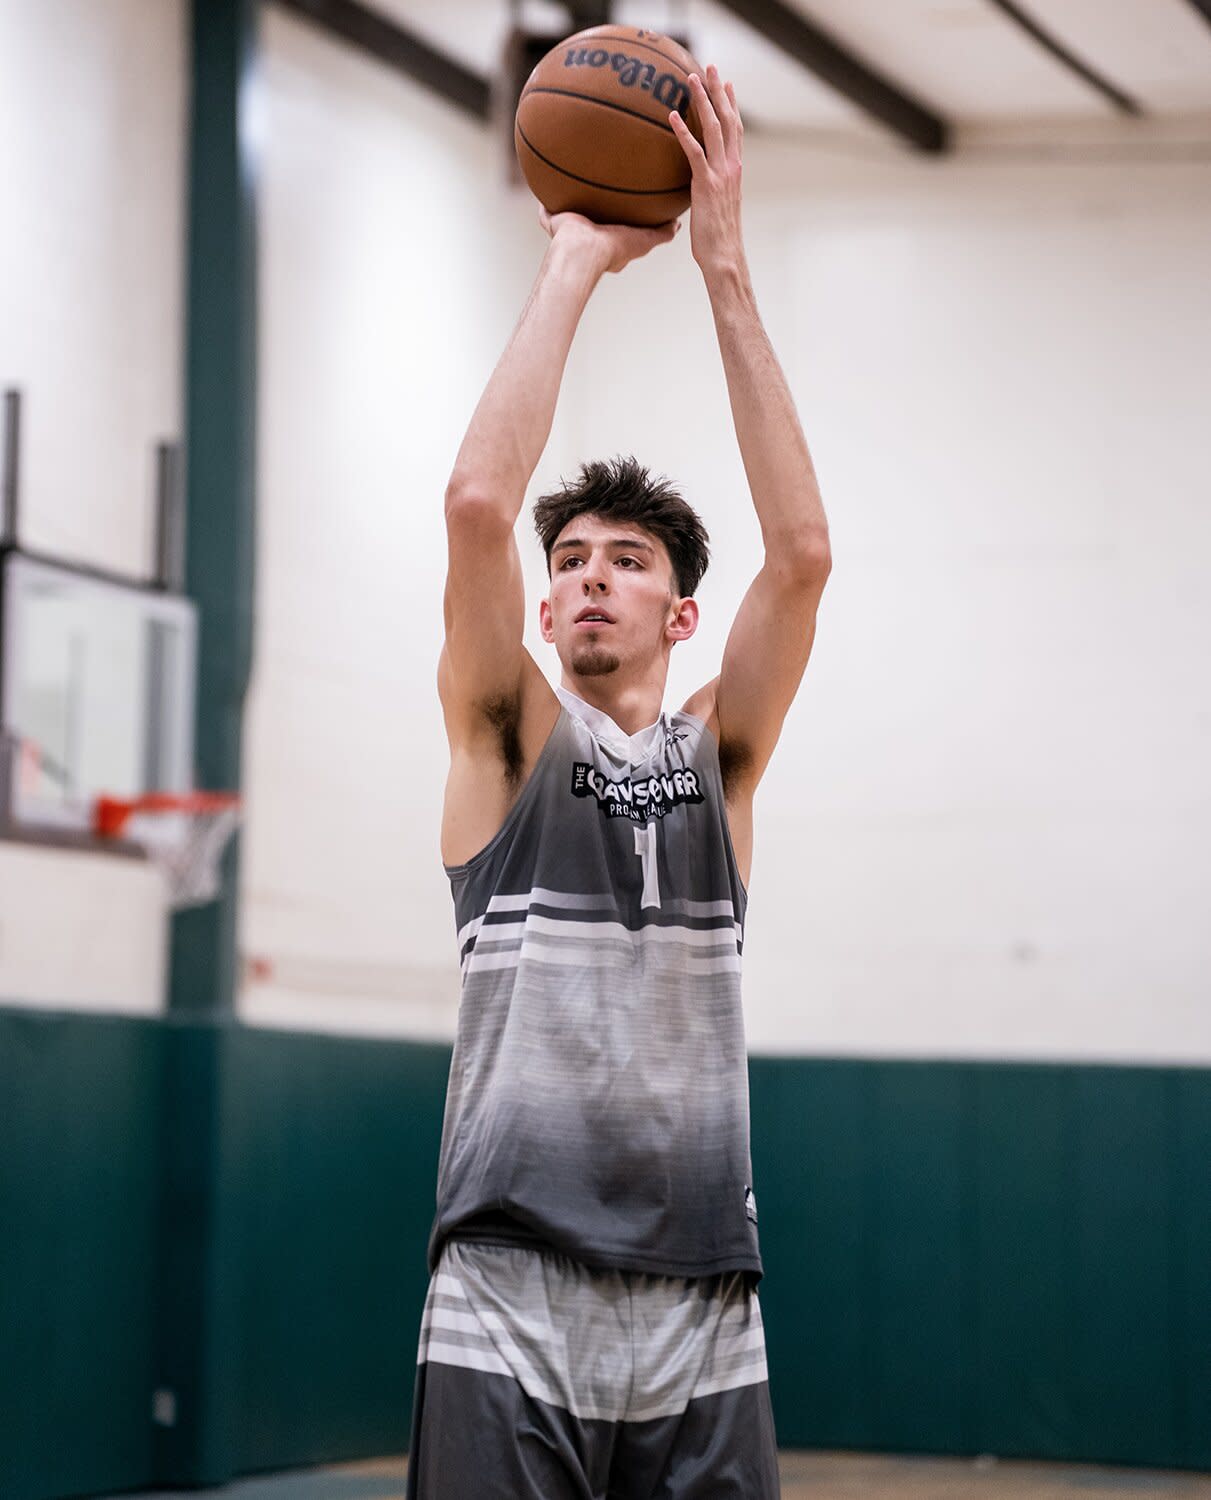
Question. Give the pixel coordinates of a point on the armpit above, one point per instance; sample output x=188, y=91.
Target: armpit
x=735, y=762
x=504, y=716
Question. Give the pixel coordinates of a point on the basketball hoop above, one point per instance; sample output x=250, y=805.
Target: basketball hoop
x=184, y=833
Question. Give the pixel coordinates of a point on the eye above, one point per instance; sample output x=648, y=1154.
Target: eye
x=567, y=563
x=632, y=561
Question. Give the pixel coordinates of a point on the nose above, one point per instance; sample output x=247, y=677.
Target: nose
x=592, y=579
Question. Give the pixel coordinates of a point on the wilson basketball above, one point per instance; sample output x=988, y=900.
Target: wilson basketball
x=592, y=129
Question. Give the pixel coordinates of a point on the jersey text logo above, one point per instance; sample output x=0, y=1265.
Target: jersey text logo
x=649, y=797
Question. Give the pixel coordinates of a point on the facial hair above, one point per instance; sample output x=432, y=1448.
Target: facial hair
x=592, y=660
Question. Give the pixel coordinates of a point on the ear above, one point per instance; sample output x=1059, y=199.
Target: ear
x=684, y=621
x=545, y=622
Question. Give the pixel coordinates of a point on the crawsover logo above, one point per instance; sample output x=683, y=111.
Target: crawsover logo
x=666, y=89
x=636, y=798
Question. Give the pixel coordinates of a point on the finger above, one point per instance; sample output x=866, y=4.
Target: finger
x=712, y=135
x=738, y=123
x=721, y=105
x=725, y=108
x=689, y=143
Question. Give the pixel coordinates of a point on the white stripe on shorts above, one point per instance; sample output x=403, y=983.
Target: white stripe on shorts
x=603, y=1345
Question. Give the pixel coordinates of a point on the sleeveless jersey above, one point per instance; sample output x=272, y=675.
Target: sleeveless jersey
x=598, y=1094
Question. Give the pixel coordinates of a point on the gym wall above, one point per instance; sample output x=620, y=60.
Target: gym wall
x=985, y=831
x=979, y=848
x=392, y=266
x=92, y=126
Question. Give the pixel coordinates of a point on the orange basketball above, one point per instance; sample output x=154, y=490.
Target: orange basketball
x=592, y=128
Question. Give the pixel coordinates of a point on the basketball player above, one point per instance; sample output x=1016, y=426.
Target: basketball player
x=592, y=1327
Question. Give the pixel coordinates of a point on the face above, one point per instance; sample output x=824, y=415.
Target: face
x=613, y=603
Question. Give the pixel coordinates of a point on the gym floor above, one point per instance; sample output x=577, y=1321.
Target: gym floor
x=805, y=1476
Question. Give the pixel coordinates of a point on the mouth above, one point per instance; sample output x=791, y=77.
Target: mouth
x=593, y=618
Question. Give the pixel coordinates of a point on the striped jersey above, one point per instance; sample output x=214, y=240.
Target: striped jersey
x=598, y=1094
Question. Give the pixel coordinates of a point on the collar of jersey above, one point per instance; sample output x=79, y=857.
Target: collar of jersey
x=631, y=747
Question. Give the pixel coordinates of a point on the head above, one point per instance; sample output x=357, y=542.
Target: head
x=625, y=545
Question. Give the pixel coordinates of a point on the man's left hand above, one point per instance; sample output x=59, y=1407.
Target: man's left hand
x=715, y=236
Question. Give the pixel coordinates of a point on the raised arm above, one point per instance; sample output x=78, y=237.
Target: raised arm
x=771, y=638
x=482, y=662
x=498, y=706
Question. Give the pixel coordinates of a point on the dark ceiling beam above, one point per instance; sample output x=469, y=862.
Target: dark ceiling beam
x=1124, y=103
x=821, y=54
x=586, y=13
x=1204, y=9
x=382, y=39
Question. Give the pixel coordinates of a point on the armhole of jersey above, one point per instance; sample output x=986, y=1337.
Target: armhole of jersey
x=727, y=827
x=458, y=872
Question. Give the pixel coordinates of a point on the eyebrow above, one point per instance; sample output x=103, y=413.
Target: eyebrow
x=631, y=544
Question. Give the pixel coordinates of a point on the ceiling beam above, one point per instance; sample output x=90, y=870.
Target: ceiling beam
x=821, y=54
x=1124, y=103
x=382, y=39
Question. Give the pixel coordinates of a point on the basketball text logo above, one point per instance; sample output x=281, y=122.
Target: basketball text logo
x=649, y=797
x=665, y=89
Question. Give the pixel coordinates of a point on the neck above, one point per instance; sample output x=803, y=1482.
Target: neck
x=631, y=706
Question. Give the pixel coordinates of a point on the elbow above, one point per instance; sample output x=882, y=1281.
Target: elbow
x=462, y=493
x=472, y=507
x=806, y=560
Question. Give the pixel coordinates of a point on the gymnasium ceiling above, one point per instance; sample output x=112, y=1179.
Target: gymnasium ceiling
x=978, y=69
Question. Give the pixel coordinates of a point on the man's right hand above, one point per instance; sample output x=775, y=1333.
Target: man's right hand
x=616, y=245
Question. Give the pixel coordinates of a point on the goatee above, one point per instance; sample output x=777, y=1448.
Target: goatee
x=595, y=661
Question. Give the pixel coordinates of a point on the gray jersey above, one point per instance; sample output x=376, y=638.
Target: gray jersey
x=598, y=1096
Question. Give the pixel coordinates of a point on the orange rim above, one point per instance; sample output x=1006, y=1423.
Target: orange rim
x=110, y=814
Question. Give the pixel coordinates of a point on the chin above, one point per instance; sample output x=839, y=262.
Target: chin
x=594, y=661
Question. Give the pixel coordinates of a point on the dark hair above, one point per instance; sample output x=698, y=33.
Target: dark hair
x=621, y=489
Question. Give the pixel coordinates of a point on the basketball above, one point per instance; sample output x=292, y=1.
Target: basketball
x=592, y=127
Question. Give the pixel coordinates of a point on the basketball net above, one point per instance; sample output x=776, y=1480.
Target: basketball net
x=184, y=834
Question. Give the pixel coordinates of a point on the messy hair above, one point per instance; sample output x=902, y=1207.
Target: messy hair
x=621, y=489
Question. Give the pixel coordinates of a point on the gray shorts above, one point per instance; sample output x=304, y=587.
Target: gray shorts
x=540, y=1379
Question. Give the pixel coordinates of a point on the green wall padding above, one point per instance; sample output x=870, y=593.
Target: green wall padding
x=331, y=1147
x=79, y=1099
x=960, y=1258
x=1192, y=1297
x=987, y=1258
x=1019, y=1328
x=1122, y=1231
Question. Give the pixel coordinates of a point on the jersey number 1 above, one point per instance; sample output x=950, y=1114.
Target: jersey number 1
x=645, y=847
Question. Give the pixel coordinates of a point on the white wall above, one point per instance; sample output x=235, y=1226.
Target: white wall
x=997, y=790
x=92, y=130
x=985, y=830
x=390, y=270
x=81, y=932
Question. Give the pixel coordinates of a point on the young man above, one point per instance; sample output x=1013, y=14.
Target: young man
x=592, y=1327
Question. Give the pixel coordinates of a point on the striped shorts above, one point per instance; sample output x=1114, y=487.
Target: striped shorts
x=540, y=1379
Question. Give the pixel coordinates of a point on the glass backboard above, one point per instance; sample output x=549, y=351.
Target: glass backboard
x=97, y=686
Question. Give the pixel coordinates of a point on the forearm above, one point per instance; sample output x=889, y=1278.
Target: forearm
x=777, y=462
x=512, y=422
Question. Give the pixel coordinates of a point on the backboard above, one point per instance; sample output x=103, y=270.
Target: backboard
x=97, y=689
